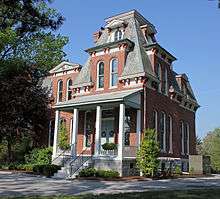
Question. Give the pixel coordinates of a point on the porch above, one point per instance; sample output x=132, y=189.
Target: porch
x=99, y=119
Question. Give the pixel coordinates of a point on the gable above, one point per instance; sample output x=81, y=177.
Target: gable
x=115, y=23
x=65, y=66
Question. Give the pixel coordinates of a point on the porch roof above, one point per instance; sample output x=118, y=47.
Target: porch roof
x=116, y=96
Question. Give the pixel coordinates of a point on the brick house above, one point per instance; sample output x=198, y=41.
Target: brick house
x=127, y=84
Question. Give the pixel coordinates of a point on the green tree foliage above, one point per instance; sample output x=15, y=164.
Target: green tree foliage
x=211, y=147
x=27, y=51
x=63, y=137
x=147, y=156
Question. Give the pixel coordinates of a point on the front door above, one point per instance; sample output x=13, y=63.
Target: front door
x=107, y=132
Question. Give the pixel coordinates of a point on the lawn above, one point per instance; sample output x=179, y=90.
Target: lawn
x=188, y=194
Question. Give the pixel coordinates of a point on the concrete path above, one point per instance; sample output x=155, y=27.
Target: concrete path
x=24, y=184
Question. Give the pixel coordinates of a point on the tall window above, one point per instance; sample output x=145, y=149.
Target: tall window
x=69, y=91
x=170, y=131
x=118, y=35
x=100, y=75
x=163, y=132
x=127, y=127
x=182, y=137
x=114, y=72
x=60, y=91
x=186, y=138
x=159, y=75
x=155, y=121
x=165, y=82
x=88, y=129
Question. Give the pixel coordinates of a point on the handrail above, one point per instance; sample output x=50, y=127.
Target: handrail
x=90, y=157
x=77, y=157
x=59, y=156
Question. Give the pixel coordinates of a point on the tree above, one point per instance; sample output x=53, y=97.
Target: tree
x=211, y=147
x=147, y=155
x=27, y=51
x=23, y=108
x=63, y=137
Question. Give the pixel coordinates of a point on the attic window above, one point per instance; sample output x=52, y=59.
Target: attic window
x=118, y=35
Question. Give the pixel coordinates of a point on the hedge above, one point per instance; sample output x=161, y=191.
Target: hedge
x=91, y=172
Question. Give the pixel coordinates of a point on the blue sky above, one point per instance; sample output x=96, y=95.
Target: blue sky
x=189, y=29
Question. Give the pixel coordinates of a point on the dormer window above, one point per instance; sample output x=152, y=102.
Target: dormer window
x=159, y=75
x=118, y=35
x=100, y=75
x=114, y=73
x=69, y=91
x=60, y=91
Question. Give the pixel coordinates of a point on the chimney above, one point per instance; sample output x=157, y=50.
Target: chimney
x=96, y=36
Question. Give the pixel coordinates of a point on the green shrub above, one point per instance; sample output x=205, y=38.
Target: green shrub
x=63, y=138
x=147, y=155
x=109, y=146
x=107, y=174
x=91, y=172
x=46, y=170
x=178, y=170
x=88, y=172
x=39, y=156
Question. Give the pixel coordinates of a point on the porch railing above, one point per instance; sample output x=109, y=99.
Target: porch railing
x=109, y=152
x=130, y=151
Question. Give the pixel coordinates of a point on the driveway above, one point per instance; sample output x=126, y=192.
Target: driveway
x=24, y=184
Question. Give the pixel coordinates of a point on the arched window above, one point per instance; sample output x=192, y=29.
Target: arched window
x=118, y=35
x=60, y=91
x=159, y=75
x=163, y=132
x=100, y=75
x=114, y=72
x=170, y=131
x=68, y=90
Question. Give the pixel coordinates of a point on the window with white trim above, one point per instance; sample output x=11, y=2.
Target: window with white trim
x=59, y=91
x=170, y=131
x=182, y=137
x=114, y=72
x=118, y=35
x=159, y=75
x=186, y=138
x=100, y=75
x=166, y=81
x=88, y=129
x=69, y=91
x=155, y=121
x=163, y=132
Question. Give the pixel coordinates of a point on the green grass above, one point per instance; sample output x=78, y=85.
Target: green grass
x=178, y=194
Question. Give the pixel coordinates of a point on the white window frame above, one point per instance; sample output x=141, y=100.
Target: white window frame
x=166, y=82
x=171, y=133
x=98, y=76
x=182, y=137
x=118, y=32
x=187, y=127
x=159, y=72
x=58, y=90
x=164, y=135
x=113, y=73
x=67, y=88
x=156, y=122
x=84, y=134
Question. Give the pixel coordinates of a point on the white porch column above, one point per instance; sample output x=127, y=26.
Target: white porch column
x=121, y=131
x=56, y=129
x=98, y=129
x=74, y=132
x=138, y=128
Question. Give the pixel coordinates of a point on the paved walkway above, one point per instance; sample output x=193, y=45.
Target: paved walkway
x=24, y=184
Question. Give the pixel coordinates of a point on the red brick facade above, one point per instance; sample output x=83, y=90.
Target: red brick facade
x=175, y=104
